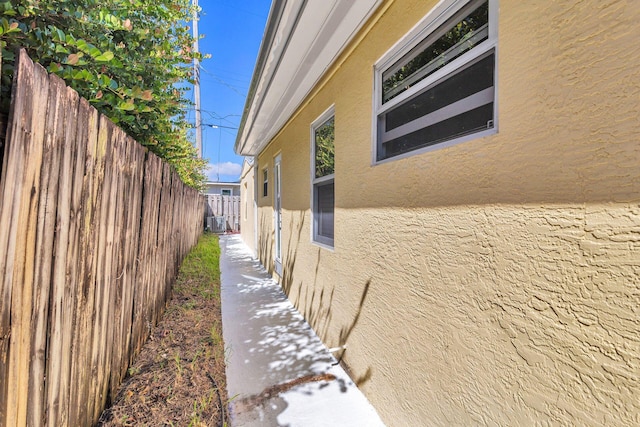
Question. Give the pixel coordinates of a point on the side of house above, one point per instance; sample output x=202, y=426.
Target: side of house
x=222, y=188
x=465, y=223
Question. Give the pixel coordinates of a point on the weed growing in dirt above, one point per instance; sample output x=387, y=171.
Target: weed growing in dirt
x=178, y=363
x=179, y=376
x=215, y=334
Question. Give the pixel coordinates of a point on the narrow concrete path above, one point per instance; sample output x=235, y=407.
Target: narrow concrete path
x=278, y=371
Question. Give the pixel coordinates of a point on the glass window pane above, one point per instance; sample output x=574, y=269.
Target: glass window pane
x=470, y=80
x=325, y=206
x=469, y=122
x=462, y=35
x=265, y=186
x=324, y=155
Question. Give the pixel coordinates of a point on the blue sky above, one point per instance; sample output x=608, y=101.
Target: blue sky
x=232, y=34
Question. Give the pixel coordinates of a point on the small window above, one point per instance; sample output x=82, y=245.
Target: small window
x=439, y=86
x=226, y=191
x=323, y=169
x=265, y=182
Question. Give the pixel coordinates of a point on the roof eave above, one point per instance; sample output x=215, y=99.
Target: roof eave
x=275, y=14
x=302, y=40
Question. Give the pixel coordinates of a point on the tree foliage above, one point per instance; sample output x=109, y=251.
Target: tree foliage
x=130, y=58
x=325, y=149
x=437, y=54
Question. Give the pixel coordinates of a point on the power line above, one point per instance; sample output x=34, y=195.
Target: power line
x=244, y=81
x=236, y=73
x=224, y=83
x=218, y=126
x=216, y=116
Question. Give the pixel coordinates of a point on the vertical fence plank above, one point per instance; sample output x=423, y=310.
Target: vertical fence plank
x=132, y=191
x=122, y=176
x=136, y=215
x=98, y=242
x=104, y=286
x=49, y=183
x=62, y=299
x=64, y=274
x=148, y=246
x=92, y=188
x=87, y=136
x=18, y=223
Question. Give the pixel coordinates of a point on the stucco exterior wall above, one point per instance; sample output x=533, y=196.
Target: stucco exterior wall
x=496, y=281
x=247, y=206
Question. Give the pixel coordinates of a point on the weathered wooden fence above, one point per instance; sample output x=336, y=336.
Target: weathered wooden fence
x=223, y=213
x=92, y=230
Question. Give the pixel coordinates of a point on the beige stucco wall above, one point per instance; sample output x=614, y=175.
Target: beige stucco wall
x=496, y=281
x=247, y=206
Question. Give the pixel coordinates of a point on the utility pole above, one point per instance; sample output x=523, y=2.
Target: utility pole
x=196, y=75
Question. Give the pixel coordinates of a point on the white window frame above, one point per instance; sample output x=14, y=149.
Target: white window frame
x=322, y=241
x=230, y=190
x=438, y=16
x=265, y=182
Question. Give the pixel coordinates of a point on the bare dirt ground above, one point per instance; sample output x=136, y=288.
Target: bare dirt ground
x=178, y=379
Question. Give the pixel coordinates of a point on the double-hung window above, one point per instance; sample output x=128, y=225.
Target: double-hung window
x=323, y=202
x=437, y=86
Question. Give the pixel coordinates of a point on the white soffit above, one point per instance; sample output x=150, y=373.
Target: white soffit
x=307, y=38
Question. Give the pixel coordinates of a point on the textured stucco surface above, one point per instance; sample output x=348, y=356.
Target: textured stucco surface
x=496, y=281
x=247, y=208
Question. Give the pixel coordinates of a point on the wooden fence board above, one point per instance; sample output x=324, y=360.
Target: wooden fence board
x=24, y=144
x=92, y=186
x=120, y=293
x=92, y=230
x=99, y=194
x=67, y=276
x=104, y=277
x=86, y=137
x=77, y=146
x=135, y=245
x=44, y=254
x=60, y=312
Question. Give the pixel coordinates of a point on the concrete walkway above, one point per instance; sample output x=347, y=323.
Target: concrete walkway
x=278, y=371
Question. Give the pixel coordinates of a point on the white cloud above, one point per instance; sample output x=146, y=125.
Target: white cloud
x=229, y=170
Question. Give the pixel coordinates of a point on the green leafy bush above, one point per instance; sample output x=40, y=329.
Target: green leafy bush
x=130, y=58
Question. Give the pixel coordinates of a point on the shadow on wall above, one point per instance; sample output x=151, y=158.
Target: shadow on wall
x=265, y=243
x=316, y=307
x=292, y=252
x=345, y=333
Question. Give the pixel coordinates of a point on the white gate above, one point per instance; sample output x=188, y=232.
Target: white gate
x=223, y=213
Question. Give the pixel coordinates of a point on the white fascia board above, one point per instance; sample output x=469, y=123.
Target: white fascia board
x=308, y=37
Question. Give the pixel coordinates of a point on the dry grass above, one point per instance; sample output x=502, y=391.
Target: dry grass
x=178, y=379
